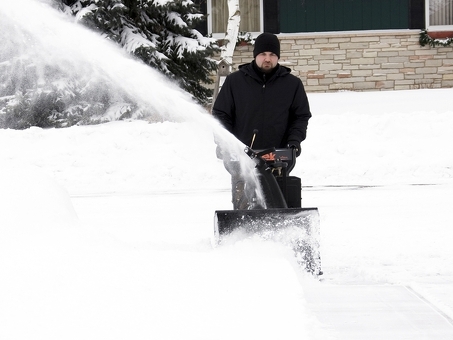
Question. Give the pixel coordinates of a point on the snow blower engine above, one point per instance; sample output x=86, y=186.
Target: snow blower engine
x=273, y=208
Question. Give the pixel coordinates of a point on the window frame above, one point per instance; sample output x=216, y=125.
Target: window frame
x=434, y=27
x=222, y=35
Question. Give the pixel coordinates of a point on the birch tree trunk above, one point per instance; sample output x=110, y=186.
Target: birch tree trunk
x=226, y=55
x=234, y=19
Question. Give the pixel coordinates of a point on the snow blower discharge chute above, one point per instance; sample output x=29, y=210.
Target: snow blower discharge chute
x=278, y=216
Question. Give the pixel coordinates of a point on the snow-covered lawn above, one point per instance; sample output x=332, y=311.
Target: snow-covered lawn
x=106, y=230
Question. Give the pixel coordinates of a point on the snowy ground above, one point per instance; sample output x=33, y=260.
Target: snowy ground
x=106, y=230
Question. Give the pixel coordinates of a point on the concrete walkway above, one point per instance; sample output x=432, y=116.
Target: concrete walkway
x=384, y=312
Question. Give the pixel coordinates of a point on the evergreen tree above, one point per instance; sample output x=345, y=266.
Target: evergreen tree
x=161, y=33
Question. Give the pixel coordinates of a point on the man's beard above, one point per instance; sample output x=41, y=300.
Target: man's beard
x=266, y=70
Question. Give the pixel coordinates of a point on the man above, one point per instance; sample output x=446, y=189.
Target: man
x=263, y=99
x=264, y=105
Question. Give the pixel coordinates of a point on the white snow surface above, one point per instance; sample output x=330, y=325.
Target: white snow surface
x=106, y=231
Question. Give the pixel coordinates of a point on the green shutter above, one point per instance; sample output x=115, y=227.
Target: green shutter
x=342, y=15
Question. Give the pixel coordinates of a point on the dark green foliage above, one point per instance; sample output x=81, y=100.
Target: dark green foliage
x=425, y=39
x=41, y=109
x=36, y=93
x=163, y=36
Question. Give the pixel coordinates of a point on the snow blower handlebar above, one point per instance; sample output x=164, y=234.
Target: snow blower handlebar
x=273, y=158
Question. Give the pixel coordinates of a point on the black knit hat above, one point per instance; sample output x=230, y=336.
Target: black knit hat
x=266, y=42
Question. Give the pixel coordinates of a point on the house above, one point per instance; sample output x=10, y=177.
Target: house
x=349, y=44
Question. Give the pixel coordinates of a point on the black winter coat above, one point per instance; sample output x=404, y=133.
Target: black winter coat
x=277, y=108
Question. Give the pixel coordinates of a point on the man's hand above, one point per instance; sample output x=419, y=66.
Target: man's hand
x=295, y=145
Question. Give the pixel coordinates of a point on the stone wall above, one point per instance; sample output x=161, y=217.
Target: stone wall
x=362, y=61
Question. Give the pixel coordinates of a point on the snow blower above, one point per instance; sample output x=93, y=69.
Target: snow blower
x=278, y=215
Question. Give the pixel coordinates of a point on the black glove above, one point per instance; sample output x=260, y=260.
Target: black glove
x=294, y=144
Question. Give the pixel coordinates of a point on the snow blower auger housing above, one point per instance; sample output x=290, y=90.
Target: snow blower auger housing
x=279, y=217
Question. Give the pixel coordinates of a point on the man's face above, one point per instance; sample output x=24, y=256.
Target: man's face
x=266, y=61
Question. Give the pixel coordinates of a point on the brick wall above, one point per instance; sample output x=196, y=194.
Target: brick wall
x=362, y=61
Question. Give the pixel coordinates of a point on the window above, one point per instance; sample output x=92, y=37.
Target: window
x=439, y=14
x=251, y=16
